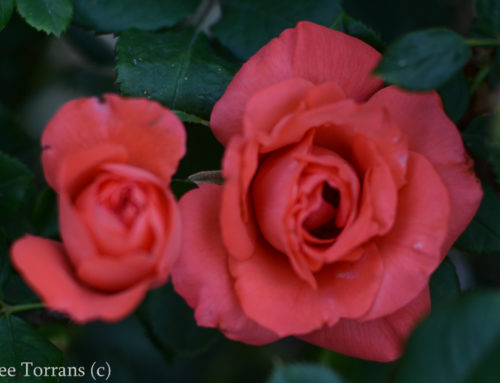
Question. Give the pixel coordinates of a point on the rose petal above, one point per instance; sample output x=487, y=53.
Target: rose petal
x=269, y=105
x=78, y=169
x=201, y=275
x=239, y=229
x=274, y=192
x=413, y=249
x=112, y=274
x=43, y=264
x=167, y=225
x=111, y=235
x=310, y=51
x=377, y=209
x=76, y=236
x=378, y=183
x=144, y=128
x=275, y=297
x=380, y=339
x=431, y=133
x=322, y=54
x=337, y=124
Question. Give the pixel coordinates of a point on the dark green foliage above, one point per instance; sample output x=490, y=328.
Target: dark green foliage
x=50, y=16
x=303, y=373
x=424, y=60
x=181, y=69
x=115, y=16
x=20, y=343
x=246, y=25
x=6, y=10
x=459, y=342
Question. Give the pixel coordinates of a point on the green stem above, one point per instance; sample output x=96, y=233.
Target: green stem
x=479, y=78
x=8, y=310
x=482, y=42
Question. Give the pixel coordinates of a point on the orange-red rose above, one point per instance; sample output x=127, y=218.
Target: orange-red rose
x=341, y=197
x=110, y=163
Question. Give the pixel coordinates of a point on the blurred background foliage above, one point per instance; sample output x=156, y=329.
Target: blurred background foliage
x=183, y=53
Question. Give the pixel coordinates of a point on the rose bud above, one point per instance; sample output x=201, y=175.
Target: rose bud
x=110, y=163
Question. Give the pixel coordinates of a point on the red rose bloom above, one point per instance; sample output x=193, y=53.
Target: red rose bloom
x=341, y=198
x=110, y=163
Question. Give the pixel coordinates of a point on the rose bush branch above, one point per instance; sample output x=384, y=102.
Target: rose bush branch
x=6, y=309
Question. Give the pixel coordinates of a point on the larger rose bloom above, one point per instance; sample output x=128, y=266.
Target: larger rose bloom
x=110, y=163
x=341, y=198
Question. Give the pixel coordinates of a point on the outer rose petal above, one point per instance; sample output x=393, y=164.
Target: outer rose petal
x=268, y=106
x=273, y=295
x=114, y=274
x=431, y=133
x=43, y=264
x=309, y=51
x=413, y=249
x=379, y=340
x=171, y=239
x=144, y=128
x=76, y=236
x=201, y=275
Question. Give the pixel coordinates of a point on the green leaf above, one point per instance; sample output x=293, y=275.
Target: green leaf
x=459, y=342
x=456, y=96
x=476, y=137
x=483, y=141
x=50, y=16
x=181, y=69
x=359, y=30
x=14, y=181
x=246, y=25
x=172, y=322
x=20, y=343
x=4, y=263
x=44, y=215
x=15, y=142
x=424, y=60
x=17, y=291
x=6, y=10
x=444, y=283
x=303, y=373
x=488, y=15
x=115, y=16
x=482, y=236
x=356, y=370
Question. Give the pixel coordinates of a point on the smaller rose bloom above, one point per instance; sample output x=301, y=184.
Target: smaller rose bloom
x=110, y=163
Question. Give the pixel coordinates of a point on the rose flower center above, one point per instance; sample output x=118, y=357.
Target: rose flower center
x=126, y=200
x=118, y=214
x=321, y=221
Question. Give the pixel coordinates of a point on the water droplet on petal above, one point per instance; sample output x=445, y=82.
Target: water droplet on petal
x=403, y=159
x=418, y=246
